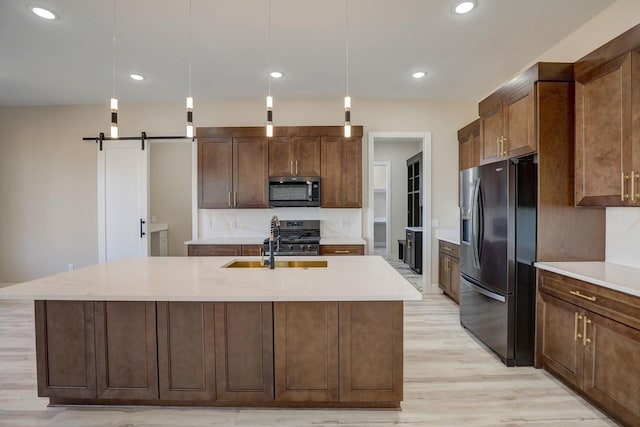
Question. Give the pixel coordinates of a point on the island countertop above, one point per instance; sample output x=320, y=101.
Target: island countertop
x=346, y=278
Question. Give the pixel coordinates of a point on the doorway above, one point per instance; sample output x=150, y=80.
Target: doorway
x=396, y=148
x=382, y=207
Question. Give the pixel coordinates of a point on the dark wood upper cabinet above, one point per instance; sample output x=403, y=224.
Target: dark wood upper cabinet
x=186, y=350
x=294, y=156
x=608, y=124
x=126, y=350
x=469, y=146
x=232, y=172
x=508, y=116
x=65, y=348
x=341, y=172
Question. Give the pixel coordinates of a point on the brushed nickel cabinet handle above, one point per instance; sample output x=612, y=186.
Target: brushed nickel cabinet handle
x=291, y=167
x=296, y=167
x=229, y=198
x=340, y=252
x=585, y=340
x=576, y=334
x=578, y=294
x=634, y=196
x=623, y=178
x=504, y=146
x=498, y=146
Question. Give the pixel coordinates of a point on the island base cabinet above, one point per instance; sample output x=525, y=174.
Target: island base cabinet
x=244, y=351
x=126, y=350
x=186, y=359
x=371, y=351
x=65, y=350
x=306, y=351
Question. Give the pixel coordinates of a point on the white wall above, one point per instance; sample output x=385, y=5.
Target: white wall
x=48, y=199
x=170, y=191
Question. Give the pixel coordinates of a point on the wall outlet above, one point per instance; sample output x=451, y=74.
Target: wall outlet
x=70, y=267
x=209, y=224
x=153, y=218
x=435, y=223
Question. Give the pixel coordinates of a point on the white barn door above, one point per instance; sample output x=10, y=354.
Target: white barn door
x=123, y=194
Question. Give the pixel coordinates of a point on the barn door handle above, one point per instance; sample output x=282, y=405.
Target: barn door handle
x=142, y=233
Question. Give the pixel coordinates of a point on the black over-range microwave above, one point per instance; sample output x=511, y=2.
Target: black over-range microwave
x=294, y=191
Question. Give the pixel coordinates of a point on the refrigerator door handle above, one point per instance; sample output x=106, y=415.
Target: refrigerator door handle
x=475, y=224
x=485, y=292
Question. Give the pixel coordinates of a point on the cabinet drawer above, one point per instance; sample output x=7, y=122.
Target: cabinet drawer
x=341, y=249
x=450, y=249
x=215, y=250
x=618, y=306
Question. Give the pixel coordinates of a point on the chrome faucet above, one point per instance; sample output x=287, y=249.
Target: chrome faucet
x=274, y=235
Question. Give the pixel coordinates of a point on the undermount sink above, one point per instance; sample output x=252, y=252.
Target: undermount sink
x=279, y=264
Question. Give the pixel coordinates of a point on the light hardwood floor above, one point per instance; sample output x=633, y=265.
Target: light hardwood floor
x=450, y=380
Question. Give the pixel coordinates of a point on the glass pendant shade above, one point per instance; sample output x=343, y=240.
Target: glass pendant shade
x=114, y=117
x=269, y=116
x=347, y=116
x=189, y=117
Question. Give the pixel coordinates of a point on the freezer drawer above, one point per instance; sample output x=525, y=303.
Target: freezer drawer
x=488, y=315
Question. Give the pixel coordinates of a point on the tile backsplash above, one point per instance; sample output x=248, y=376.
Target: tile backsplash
x=255, y=222
x=623, y=236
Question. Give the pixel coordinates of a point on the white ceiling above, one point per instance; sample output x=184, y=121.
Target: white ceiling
x=69, y=61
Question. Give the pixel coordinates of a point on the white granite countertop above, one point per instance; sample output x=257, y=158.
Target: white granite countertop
x=613, y=276
x=228, y=241
x=413, y=228
x=154, y=227
x=451, y=235
x=346, y=278
x=342, y=241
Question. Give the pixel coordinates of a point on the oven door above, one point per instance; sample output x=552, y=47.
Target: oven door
x=294, y=191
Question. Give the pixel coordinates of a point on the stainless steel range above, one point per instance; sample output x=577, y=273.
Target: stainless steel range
x=296, y=237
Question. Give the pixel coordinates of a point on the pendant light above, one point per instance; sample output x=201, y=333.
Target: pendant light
x=269, y=98
x=114, y=100
x=189, y=98
x=347, y=98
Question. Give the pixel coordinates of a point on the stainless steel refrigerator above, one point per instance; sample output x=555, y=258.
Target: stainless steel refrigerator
x=498, y=205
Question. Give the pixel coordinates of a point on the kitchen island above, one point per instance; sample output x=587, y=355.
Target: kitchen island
x=187, y=331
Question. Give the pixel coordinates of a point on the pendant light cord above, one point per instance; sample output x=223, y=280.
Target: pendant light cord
x=114, y=47
x=269, y=49
x=189, y=51
x=347, y=42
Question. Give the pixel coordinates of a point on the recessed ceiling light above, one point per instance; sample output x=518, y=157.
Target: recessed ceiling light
x=43, y=13
x=276, y=74
x=464, y=7
x=418, y=74
x=137, y=77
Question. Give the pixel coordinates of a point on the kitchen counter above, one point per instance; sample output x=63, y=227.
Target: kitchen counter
x=413, y=228
x=155, y=227
x=347, y=278
x=448, y=235
x=613, y=276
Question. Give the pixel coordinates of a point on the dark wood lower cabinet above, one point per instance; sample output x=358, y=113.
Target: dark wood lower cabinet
x=186, y=351
x=65, y=349
x=306, y=351
x=595, y=354
x=244, y=351
x=288, y=354
x=126, y=350
x=371, y=351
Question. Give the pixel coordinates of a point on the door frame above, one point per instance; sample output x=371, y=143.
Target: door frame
x=427, y=244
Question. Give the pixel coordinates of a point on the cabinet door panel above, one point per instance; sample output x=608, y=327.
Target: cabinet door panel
x=612, y=373
x=603, y=132
x=281, y=156
x=251, y=250
x=306, y=351
x=65, y=348
x=307, y=156
x=186, y=352
x=490, y=133
x=352, y=173
x=126, y=347
x=331, y=172
x=370, y=351
x=520, y=123
x=559, y=348
x=250, y=172
x=244, y=351
x=215, y=177
x=443, y=273
x=454, y=273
